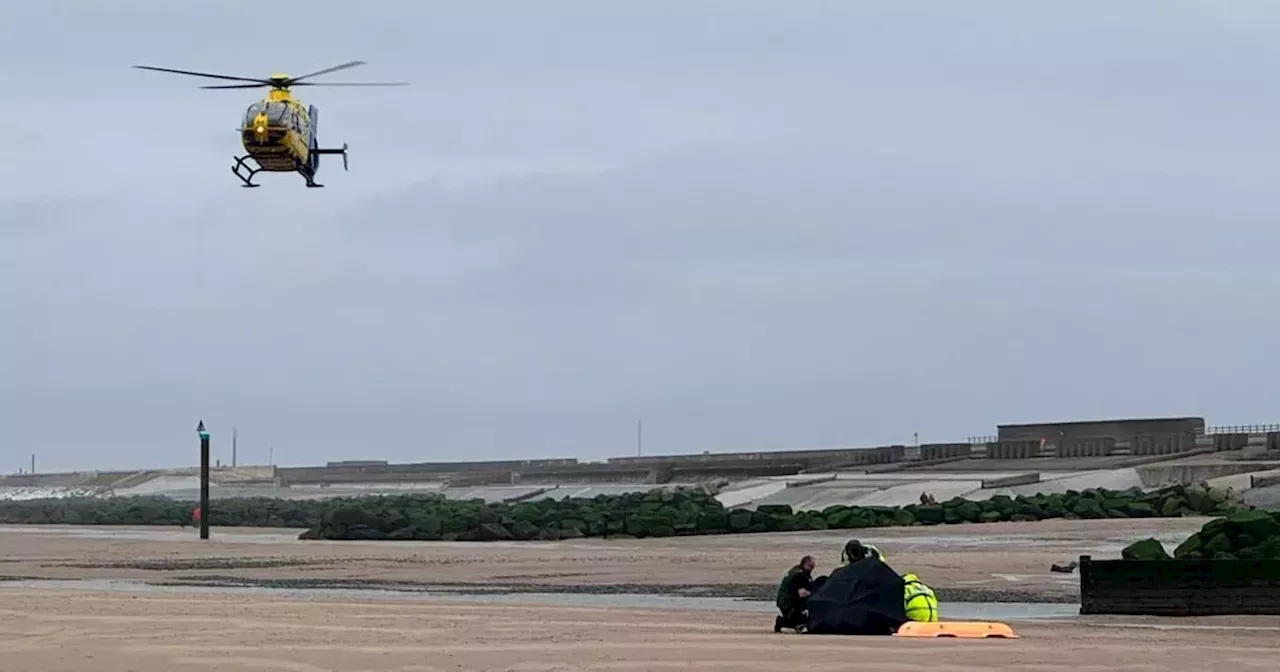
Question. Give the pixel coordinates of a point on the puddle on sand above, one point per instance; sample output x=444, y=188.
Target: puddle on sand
x=977, y=611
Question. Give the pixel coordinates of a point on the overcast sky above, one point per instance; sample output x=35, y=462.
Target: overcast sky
x=753, y=225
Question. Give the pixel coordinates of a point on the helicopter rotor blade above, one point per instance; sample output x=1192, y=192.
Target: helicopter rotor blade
x=344, y=66
x=351, y=84
x=203, y=74
x=234, y=86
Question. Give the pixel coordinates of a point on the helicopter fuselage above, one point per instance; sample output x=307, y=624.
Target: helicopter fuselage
x=277, y=133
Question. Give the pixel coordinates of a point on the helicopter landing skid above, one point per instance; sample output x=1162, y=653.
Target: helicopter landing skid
x=240, y=167
x=308, y=175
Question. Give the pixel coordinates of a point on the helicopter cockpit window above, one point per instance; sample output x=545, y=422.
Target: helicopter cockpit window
x=277, y=114
x=251, y=113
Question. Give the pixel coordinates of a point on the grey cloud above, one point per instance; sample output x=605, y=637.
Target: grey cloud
x=750, y=224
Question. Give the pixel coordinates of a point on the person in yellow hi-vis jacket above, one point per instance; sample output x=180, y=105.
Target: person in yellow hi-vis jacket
x=921, y=603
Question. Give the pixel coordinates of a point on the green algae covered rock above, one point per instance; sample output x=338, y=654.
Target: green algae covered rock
x=1147, y=549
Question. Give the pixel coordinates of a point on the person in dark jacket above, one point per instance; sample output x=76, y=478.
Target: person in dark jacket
x=793, y=593
x=855, y=550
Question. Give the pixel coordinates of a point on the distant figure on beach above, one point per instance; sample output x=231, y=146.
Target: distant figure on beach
x=195, y=516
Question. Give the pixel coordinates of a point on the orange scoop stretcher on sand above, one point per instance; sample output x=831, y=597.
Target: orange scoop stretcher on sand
x=960, y=629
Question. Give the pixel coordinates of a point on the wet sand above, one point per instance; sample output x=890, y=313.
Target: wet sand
x=52, y=631
x=995, y=562
x=47, y=629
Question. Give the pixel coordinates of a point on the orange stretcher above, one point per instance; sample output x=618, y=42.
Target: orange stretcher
x=960, y=629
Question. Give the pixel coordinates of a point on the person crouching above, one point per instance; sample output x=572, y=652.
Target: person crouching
x=920, y=602
x=793, y=596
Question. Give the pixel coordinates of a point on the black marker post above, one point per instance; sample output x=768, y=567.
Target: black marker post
x=204, y=480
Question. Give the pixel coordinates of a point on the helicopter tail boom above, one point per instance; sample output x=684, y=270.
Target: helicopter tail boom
x=342, y=151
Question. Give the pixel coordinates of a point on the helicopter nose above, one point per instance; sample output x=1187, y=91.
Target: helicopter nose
x=260, y=128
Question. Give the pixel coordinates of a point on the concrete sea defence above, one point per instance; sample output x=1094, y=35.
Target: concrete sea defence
x=1026, y=459
x=657, y=513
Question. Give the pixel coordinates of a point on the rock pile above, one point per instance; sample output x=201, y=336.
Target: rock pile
x=690, y=512
x=1244, y=535
x=659, y=513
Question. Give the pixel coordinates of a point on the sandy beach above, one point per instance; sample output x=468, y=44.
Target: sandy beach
x=74, y=626
x=995, y=562
x=52, y=631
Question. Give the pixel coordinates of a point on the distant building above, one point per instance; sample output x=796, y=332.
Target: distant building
x=1096, y=438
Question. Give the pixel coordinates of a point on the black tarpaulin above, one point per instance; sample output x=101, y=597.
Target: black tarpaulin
x=863, y=598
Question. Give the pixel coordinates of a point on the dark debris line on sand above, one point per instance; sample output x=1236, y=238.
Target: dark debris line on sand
x=181, y=564
x=503, y=585
x=763, y=592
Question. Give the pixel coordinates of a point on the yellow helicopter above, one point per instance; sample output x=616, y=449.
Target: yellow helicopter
x=278, y=132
